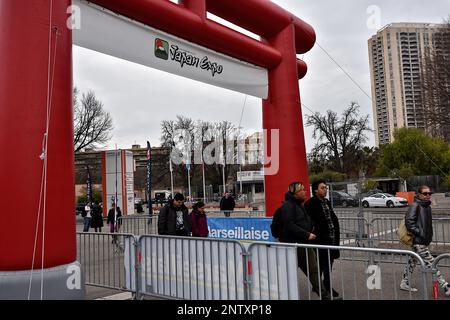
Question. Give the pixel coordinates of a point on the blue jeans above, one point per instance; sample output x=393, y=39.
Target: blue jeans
x=87, y=224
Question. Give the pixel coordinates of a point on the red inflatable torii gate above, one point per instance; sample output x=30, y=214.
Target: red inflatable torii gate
x=36, y=46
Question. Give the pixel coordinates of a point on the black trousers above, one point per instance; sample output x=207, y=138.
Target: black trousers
x=307, y=262
x=326, y=267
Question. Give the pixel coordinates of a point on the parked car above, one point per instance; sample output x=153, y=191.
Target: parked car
x=369, y=193
x=79, y=208
x=340, y=198
x=138, y=205
x=384, y=200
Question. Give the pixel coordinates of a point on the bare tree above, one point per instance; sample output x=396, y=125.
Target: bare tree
x=339, y=138
x=201, y=133
x=167, y=133
x=92, y=124
x=436, y=84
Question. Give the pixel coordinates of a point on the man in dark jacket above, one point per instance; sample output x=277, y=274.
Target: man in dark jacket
x=298, y=228
x=174, y=219
x=419, y=222
x=326, y=229
x=227, y=204
x=114, y=221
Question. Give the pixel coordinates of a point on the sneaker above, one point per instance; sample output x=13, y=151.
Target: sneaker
x=404, y=285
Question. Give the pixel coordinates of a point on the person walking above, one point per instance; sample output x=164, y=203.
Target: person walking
x=87, y=217
x=199, y=221
x=227, y=204
x=298, y=227
x=174, y=218
x=113, y=221
x=97, y=217
x=419, y=222
x=326, y=229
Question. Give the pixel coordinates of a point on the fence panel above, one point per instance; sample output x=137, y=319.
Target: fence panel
x=139, y=225
x=370, y=274
x=384, y=234
x=236, y=213
x=107, y=259
x=438, y=291
x=273, y=272
x=192, y=268
x=354, y=231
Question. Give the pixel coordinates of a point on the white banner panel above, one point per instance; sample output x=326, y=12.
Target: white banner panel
x=120, y=37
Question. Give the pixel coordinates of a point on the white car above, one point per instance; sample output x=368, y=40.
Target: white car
x=384, y=200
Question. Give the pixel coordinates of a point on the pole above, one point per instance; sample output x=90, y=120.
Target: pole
x=240, y=180
x=203, y=177
x=223, y=176
x=189, y=182
x=204, y=184
x=115, y=198
x=171, y=175
x=188, y=167
x=149, y=178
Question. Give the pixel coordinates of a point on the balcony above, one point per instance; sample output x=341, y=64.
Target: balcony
x=250, y=176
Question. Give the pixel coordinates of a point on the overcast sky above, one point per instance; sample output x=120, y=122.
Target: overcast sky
x=139, y=98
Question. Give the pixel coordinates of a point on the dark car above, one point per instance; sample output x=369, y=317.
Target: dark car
x=79, y=208
x=138, y=205
x=340, y=198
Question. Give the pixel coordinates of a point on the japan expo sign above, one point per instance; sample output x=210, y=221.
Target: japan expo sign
x=185, y=58
x=127, y=39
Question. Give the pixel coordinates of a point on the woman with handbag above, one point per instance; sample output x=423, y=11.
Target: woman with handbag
x=418, y=221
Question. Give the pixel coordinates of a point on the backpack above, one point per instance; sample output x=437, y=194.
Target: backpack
x=404, y=235
x=276, y=226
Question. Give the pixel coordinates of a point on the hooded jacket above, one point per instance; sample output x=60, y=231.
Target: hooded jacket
x=199, y=224
x=419, y=222
x=297, y=224
x=167, y=219
x=314, y=209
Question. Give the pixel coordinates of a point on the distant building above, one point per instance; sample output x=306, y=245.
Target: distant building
x=93, y=159
x=252, y=185
x=397, y=55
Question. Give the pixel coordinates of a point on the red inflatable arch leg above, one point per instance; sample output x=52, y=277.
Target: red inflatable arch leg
x=36, y=96
x=36, y=55
x=282, y=111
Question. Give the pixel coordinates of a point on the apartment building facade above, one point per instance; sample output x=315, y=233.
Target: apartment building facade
x=397, y=55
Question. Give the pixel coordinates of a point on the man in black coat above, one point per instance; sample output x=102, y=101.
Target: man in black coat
x=327, y=230
x=173, y=219
x=227, y=204
x=298, y=227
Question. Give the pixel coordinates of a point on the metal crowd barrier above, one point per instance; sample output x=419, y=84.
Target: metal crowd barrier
x=445, y=271
x=354, y=231
x=274, y=273
x=384, y=233
x=106, y=259
x=203, y=268
x=192, y=268
x=236, y=213
x=139, y=225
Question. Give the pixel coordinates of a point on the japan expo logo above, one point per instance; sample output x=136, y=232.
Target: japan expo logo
x=162, y=49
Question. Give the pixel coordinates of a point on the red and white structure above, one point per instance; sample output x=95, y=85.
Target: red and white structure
x=118, y=180
x=36, y=117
